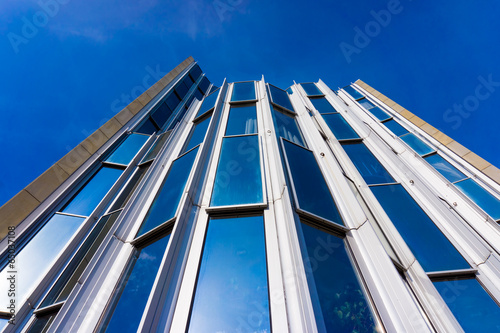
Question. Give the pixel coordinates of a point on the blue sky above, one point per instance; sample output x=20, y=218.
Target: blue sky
x=66, y=64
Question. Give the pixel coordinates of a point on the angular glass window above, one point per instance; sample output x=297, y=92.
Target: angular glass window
x=353, y=92
x=322, y=105
x=339, y=126
x=198, y=94
x=395, y=127
x=87, y=199
x=242, y=120
x=367, y=164
x=135, y=288
x=165, y=204
x=198, y=134
x=126, y=151
x=204, y=85
x=379, y=113
x=416, y=144
x=280, y=98
x=172, y=101
x=208, y=103
x=188, y=81
x=243, y=91
x=286, y=127
x=157, y=146
x=147, y=127
x=432, y=249
x=445, y=168
x=311, y=89
x=181, y=89
x=195, y=72
x=213, y=88
x=489, y=203
x=366, y=103
x=35, y=259
x=311, y=192
x=338, y=299
x=161, y=114
x=238, y=180
x=232, y=288
x=470, y=303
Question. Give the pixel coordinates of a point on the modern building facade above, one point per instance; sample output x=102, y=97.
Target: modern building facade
x=249, y=208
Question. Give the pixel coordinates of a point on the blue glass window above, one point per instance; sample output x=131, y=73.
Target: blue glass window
x=87, y=199
x=379, y=113
x=128, y=149
x=135, y=289
x=416, y=144
x=156, y=147
x=238, y=180
x=395, y=127
x=287, y=128
x=172, y=101
x=204, y=85
x=243, y=91
x=161, y=114
x=199, y=132
x=353, y=92
x=208, y=103
x=213, y=88
x=339, y=126
x=445, y=168
x=310, y=188
x=242, y=120
x=367, y=164
x=231, y=291
x=431, y=248
x=165, y=204
x=37, y=256
x=470, y=303
x=195, y=72
x=311, y=89
x=338, y=299
x=322, y=105
x=366, y=103
x=188, y=81
x=147, y=127
x=280, y=97
x=482, y=198
x=181, y=89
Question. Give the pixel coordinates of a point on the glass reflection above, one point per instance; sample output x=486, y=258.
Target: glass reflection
x=204, y=84
x=416, y=144
x=311, y=89
x=280, y=97
x=243, y=91
x=395, y=127
x=366, y=103
x=199, y=132
x=482, y=198
x=379, y=113
x=322, y=105
x=157, y=146
x=286, y=127
x=242, y=120
x=367, y=164
x=232, y=292
x=161, y=115
x=339, y=126
x=128, y=149
x=208, y=103
x=147, y=127
x=445, y=168
x=195, y=72
x=353, y=92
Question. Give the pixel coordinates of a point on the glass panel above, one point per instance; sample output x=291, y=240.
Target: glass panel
x=198, y=94
x=128, y=149
x=445, y=168
x=287, y=128
x=147, y=127
x=416, y=144
x=322, y=105
x=157, y=146
x=379, y=113
x=353, y=92
x=431, y=248
x=231, y=291
x=310, y=187
x=33, y=261
x=243, y=91
x=165, y=204
x=161, y=114
x=337, y=296
x=213, y=88
x=181, y=89
x=172, y=101
x=395, y=127
x=238, y=180
x=339, y=126
x=311, y=89
x=280, y=97
x=199, y=132
x=195, y=72
x=41, y=324
x=482, y=198
x=366, y=103
x=367, y=164
x=87, y=199
x=204, y=84
x=134, y=290
x=471, y=305
x=208, y=103
x=188, y=81
x=242, y=120
x=129, y=189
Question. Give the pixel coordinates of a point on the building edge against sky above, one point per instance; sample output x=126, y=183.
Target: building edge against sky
x=307, y=183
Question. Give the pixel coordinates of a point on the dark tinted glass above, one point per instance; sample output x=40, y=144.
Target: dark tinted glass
x=165, y=204
x=481, y=197
x=126, y=151
x=157, y=146
x=367, y=164
x=471, y=305
x=198, y=94
x=366, y=103
x=242, y=120
x=416, y=144
x=199, y=132
x=195, y=72
x=172, y=101
x=339, y=126
x=280, y=97
x=379, y=113
x=353, y=92
x=188, y=81
x=243, y=91
x=87, y=199
x=208, y=103
x=334, y=287
x=135, y=289
x=181, y=89
x=445, y=168
x=231, y=291
x=204, y=84
x=311, y=89
x=310, y=187
x=322, y=105
x=238, y=179
x=286, y=127
x=431, y=248
x=213, y=88
x=395, y=127
x=41, y=324
x=147, y=127
x=161, y=115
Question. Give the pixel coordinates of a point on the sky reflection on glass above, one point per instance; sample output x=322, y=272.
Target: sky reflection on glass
x=366, y=103
x=353, y=92
x=445, y=168
x=339, y=126
x=322, y=105
x=280, y=97
x=242, y=120
x=199, y=132
x=286, y=126
x=243, y=91
x=379, y=113
x=395, y=127
x=367, y=164
x=157, y=146
x=311, y=89
x=208, y=103
x=416, y=144
x=128, y=149
x=489, y=203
